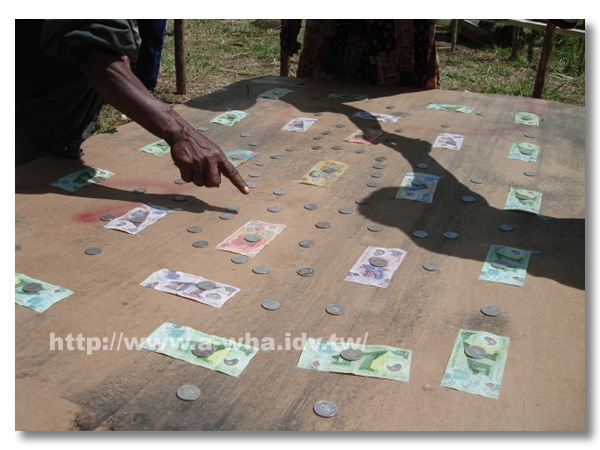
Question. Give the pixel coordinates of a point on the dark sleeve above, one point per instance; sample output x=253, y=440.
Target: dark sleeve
x=72, y=40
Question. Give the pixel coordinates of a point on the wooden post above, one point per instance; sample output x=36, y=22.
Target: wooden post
x=284, y=67
x=540, y=78
x=180, y=56
x=454, y=26
x=515, y=42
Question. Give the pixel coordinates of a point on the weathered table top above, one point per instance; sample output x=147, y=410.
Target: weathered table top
x=543, y=387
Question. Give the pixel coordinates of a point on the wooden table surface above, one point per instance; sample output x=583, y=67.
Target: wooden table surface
x=543, y=387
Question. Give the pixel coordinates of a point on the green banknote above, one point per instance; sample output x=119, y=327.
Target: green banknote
x=229, y=117
x=526, y=118
x=452, y=108
x=178, y=341
x=523, y=200
x=39, y=297
x=82, y=178
x=524, y=151
x=239, y=156
x=349, y=97
x=506, y=265
x=379, y=361
x=157, y=148
x=477, y=376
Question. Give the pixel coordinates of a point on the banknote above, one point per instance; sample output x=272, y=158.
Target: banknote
x=524, y=151
x=325, y=173
x=157, y=148
x=178, y=341
x=138, y=218
x=523, y=200
x=275, y=93
x=184, y=285
x=452, y=108
x=41, y=299
x=229, y=117
x=75, y=181
x=364, y=136
x=477, y=376
x=418, y=186
x=370, y=269
x=506, y=265
x=526, y=118
x=240, y=156
x=379, y=361
x=376, y=116
x=451, y=141
x=237, y=243
x=299, y=124
x=349, y=97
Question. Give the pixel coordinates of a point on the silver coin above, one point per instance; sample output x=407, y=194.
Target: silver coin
x=317, y=147
x=290, y=149
x=530, y=174
x=335, y=310
x=373, y=183
x=237, y=157
x=231, y=361
x=377, y=174
x=261, y=269
x=421, y=234
x=306, y=243
x=202, y=129
x=206, y=285
x=226, y=216
x=245, y=134
x=399, y=130
x=325, y=409
x=522, y=196
x=340, y=125
x=17, y=248
x=360, y=150
x=423, y=166
x=351, y=354
x=337, y=147
x=476, y=180
x=93, y=251
x=317, y=138
x=200, y=244
x=139, y=191
x=418, y=182
x=194, y=228
x=475, y=351
x=529, y=135
x=446, y=125
x=305, y=272
x=381, y=159
x=468, y=199
x=450, y=235
x=137, y=218
x=524, y=151
x=239, y=259
x=375, y=228
x=322, y=225
x=203, y=350
x=431, y=266
x=179, y=198
x=506, y=227
x=274, y=208
x=254, y=174
x=232, y=208
x=32, y=287
x=490, y=310
x=270, y=304
x=188, y=392
x=276, y=156
x=499, y=264
x=326, y=133
x=378, y=262
x=390, y=107
x=251, y=184
x=279, y=192
x=345, y=210
x=99, y=179
x=107, y=217
x=480, y=113
x=318, y=114
x=254, y=144
x=311, y=206
x=180, y=181
x=252, y=238
x=361, y=201
x=378, y=166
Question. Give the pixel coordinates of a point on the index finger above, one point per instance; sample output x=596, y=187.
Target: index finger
x=229, y=171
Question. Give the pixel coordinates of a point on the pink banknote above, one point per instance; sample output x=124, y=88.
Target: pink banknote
x=376, y=266
x=251, y=238
x=138, y=218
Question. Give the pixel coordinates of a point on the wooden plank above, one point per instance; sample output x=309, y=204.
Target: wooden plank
x=573, y=32
x=120, y=389
x=180, y=78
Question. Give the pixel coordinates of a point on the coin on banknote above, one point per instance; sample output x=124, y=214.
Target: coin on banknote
x=237, y=157
x=274, y=208
x=306, y=243
x=431, y=266
x=239, y=259
x=206, y=285
x=522, y=196
x=468, y=199
x=305, y=272
x=261, y=269
x=200, y=244
x=499, y=264
x=375, y=228
x=450, y=235
x=194, y=228
x=271, y=304
x=506, y=227
x=189, y=392
x=311, y=206
x=490, y=310
x=325, y=409
x=99, y=179
x=107, y=217
x=351, y=354
x=226, y=216
x=418, y=182
x=346, y=210
x=475, y=351
x=525, y=151
x=137, y=218
x=93, y=251
x=203, y=350
x=252, y=238
x=231, y=361
x=335, y=309
x=421, y=234
x=322, y=225
x=378, y=262
x=32, y=287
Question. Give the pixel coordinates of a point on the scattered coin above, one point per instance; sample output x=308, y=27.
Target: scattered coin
x=530, y=174
x=93, y=251
x=361, y=201
x=306, y=243
x=360, y=150
x=180, y=181
x=476, y=180
x=317, y=138
x=475, y=351
x=261, y=163
x=188, y=392
x=305, y=272
x=378, y=262
x=137, y=218
x=522, y=196
x=335, y=310
x=318, y=114
x=378, y=166
x=373, y=183
x=326, y=133
x=340, y=125
x=276, y=156
x=270, y=304
x=375, y=228
x=351, y=354
x=202, y=129
x=254, y=174
x=194, y=228
x=423, y=166
x=239, y=259
x=254, y=144
x=179, y=198
x=399, y=130
x=107, y=217
x=337, y=147
x=506, y=227
x=290, y=149
x=377, y=174
x=232, y=208
x=32, y=287
x=529, y=135
x=279, y=192
x=205, y=285
x=203, y=350
x=322, y=225
x=245, y=134
x=345, y=210
x=431, y=266
x=480, y=113
x=274, y=208
x=226, y=216
x=17, y=248
x=311, y=206
x=251, y=184
x=499, y=264
x=139, y=190
x=325, y=409
x=390, y=107
x=200, y=244
x=450, y=235
x=421, y=234
x=490, y=310
x=261, y=269
x=317, y=147
x=468, y=199
x=381, y=159
x=446, y=125
x=252, y=238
